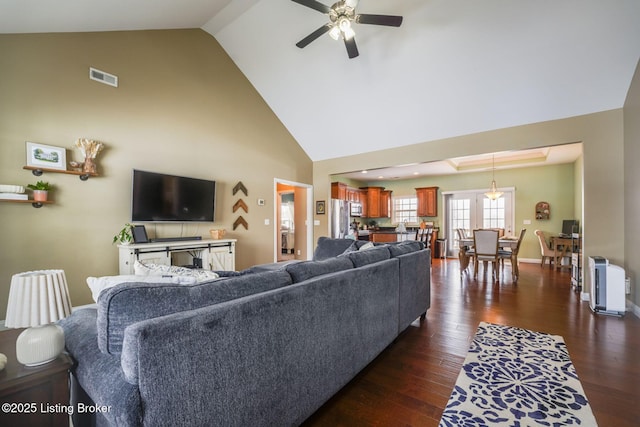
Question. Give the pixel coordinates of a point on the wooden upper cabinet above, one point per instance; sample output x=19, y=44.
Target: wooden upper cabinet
x=385, y=204
x=338, y=191
x=427, y=201
x=377, y=203
x=373, y=202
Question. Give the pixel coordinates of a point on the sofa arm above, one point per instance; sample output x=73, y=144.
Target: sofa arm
x=99, y=375
x=415, y=287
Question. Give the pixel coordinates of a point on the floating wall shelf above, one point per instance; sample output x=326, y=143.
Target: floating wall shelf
x=39, y=171
x=34, y=203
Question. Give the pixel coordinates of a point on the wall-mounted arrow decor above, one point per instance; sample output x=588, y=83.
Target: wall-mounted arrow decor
x=240, y=221
x=240, y=186
x=241, y=204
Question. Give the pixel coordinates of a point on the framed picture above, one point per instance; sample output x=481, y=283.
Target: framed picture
x=46, y=156
x=320, y=207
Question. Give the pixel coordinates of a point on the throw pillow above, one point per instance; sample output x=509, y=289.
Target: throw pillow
x=141, y=269
x=99, y=284
x=367, y=246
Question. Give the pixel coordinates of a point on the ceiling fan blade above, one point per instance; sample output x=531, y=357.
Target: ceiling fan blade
x=388, y=20
x=352, y=49
x=311, y=37
x=313, y=4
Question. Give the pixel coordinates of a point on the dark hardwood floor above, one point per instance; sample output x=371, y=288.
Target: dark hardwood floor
x=410, y=382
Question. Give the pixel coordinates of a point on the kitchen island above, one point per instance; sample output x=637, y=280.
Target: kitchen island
x=383, y=235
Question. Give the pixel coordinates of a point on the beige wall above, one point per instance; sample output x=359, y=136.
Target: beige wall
x=182, y=107
x=632, y=180
x=602, y=166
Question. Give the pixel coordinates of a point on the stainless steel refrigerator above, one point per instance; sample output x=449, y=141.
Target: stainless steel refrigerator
x=339, y=218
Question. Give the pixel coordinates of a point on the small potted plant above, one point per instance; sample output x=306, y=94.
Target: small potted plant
x=40, y=190
x=125, y=236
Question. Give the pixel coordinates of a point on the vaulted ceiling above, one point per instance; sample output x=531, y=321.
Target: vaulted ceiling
x=454, y=67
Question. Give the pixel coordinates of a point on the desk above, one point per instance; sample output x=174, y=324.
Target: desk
x=466, y=243
x=562, y=247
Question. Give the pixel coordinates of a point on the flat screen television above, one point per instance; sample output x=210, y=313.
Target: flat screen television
x=158, y=197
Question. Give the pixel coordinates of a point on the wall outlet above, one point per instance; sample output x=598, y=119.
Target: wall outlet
x=266, y=221
x=527, y=222
x=627, y=285
x=260, y=202
x=299, y=252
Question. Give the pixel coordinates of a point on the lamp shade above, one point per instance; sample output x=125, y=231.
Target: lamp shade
x=37, y=298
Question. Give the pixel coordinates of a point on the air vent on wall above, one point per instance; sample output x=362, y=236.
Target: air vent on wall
x=102, y=77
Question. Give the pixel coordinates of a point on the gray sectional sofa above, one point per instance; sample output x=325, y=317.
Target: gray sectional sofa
x=267, y=346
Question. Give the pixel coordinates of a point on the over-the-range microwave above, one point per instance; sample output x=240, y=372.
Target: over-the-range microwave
x=356, y=209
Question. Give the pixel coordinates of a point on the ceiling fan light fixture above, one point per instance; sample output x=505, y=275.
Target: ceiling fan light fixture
x=334, y=32
x=344, y=26
x=348, y=33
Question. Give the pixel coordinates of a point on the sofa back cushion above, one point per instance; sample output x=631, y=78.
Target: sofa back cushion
x=369, y=256
x=302, y=271
x=405, y=247
x=329, y=248
x=126, y=304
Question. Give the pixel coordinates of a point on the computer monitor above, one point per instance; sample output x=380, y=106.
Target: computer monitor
x=569, y=226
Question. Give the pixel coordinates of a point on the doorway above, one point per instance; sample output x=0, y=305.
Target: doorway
x=293, y=238
x=470, y=210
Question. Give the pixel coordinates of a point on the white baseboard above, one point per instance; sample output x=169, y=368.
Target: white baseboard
x=633, y=308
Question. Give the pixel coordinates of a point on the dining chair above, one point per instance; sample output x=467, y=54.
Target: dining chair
x=512, y=256
x=485, y=249
x=464, y=250
x=424, y=235
x=545, y=250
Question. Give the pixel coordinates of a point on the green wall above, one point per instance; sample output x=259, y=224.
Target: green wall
x=554, y=184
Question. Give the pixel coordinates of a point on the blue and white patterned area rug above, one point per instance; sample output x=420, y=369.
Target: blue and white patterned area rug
x=515, y=377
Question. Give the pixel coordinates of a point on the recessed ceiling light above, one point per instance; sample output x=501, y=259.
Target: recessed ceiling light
x=416, y=173
x=380, y=177
x=365, y=171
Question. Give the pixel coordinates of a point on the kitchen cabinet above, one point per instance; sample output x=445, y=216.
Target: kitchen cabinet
x=385, y=204
x=427, y=201
x=338, y=191
x=373, y=202
x=342, y=191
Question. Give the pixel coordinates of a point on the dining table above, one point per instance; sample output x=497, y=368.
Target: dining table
x=467, y=243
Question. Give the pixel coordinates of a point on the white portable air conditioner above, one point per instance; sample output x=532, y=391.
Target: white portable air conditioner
x=607, y=294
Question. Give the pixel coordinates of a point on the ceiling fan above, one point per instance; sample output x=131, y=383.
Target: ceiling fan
x=342, y=15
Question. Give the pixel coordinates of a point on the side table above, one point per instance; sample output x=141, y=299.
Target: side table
x=33, y=396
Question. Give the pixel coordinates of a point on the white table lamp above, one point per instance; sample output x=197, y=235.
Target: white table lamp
x=36, y=299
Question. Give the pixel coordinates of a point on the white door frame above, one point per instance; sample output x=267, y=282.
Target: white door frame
x=445, y=222
x=308, y=220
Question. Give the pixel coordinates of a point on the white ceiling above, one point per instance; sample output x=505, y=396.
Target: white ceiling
x=454, y=67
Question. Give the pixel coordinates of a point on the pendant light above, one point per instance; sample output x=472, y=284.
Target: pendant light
x=493, y=193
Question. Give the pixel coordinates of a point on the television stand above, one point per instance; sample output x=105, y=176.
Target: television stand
x=217, y=254
x=174, y=239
